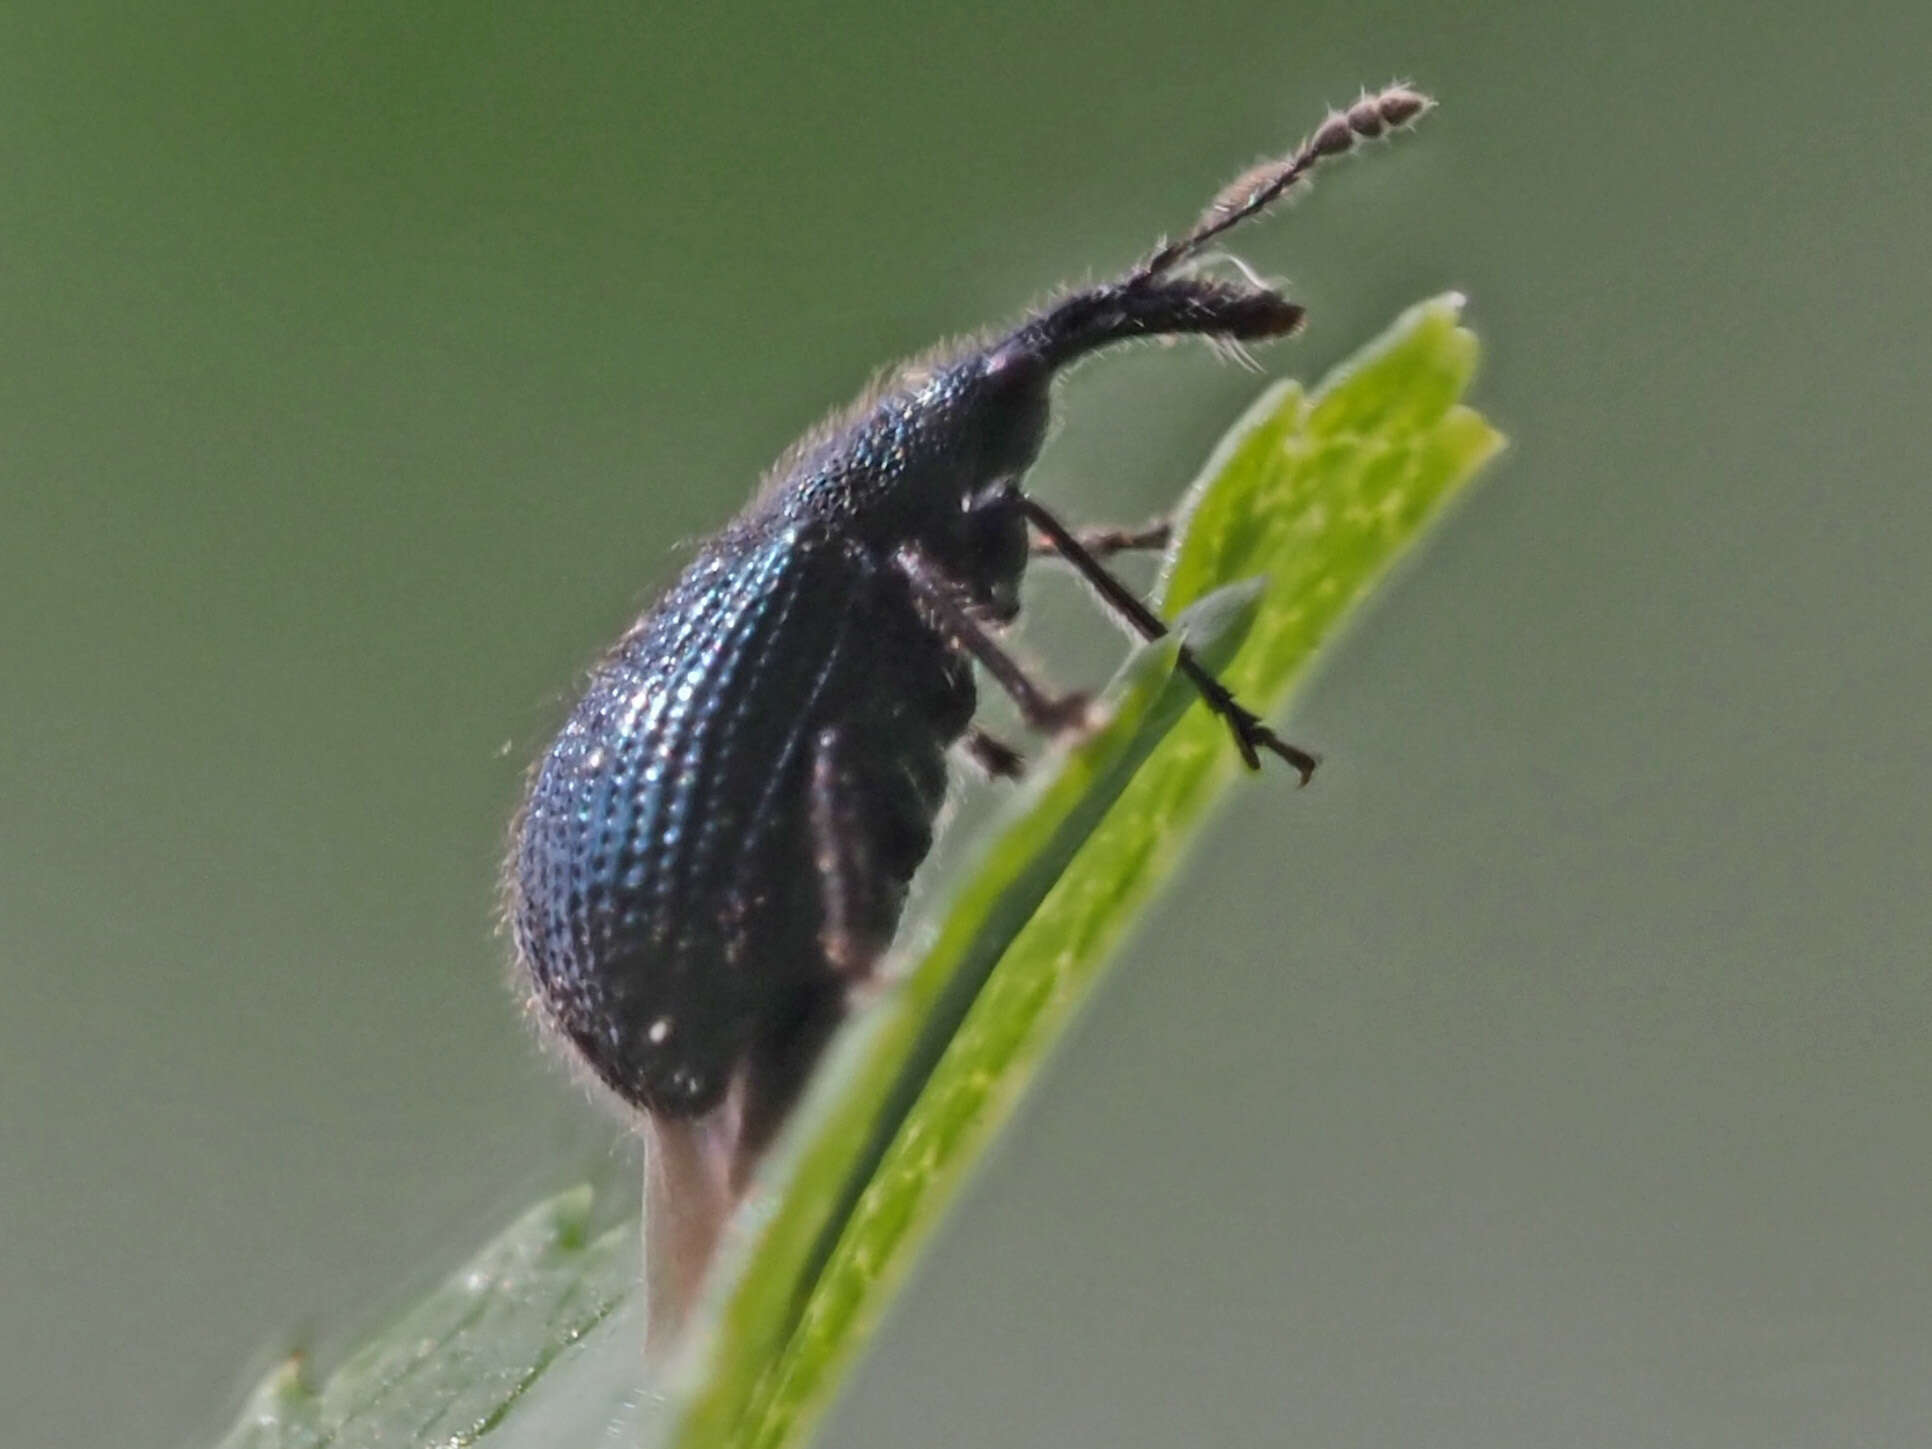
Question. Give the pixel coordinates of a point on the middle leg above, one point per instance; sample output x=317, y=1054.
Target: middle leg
x=1042, y=709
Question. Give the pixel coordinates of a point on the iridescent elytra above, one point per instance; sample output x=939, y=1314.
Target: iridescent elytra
x=716, y=848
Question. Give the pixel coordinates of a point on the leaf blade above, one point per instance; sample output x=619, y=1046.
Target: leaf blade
x=1260, y=503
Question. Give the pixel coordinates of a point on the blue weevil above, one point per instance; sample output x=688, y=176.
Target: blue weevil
x=716, y=849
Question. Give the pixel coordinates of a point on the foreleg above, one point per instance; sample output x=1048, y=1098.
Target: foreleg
x=1250, y=734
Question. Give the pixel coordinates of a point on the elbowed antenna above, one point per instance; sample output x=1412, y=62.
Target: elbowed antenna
x=1254, y=191
x=1153, y=300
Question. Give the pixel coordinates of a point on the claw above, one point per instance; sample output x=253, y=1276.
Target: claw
x=1249, y=732
x=998, y=759
x=1303, y=762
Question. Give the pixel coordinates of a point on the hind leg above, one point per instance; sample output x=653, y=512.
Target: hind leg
x=855, y=929
x=850, y=886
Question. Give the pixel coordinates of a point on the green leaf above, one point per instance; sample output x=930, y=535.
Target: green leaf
x=455, y=1365
x=1302, y=508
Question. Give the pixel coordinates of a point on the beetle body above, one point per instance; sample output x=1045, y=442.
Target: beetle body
x=669, y=895
x=717, y=847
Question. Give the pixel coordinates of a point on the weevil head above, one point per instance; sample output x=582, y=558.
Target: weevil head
x=1010, y=406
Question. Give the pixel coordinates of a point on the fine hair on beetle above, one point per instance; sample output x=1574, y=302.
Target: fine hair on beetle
x=714, y=852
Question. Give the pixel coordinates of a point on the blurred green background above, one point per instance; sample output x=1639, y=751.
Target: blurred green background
x=1554, y=1072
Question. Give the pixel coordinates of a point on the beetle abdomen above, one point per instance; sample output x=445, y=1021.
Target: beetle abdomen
x=667, y=900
